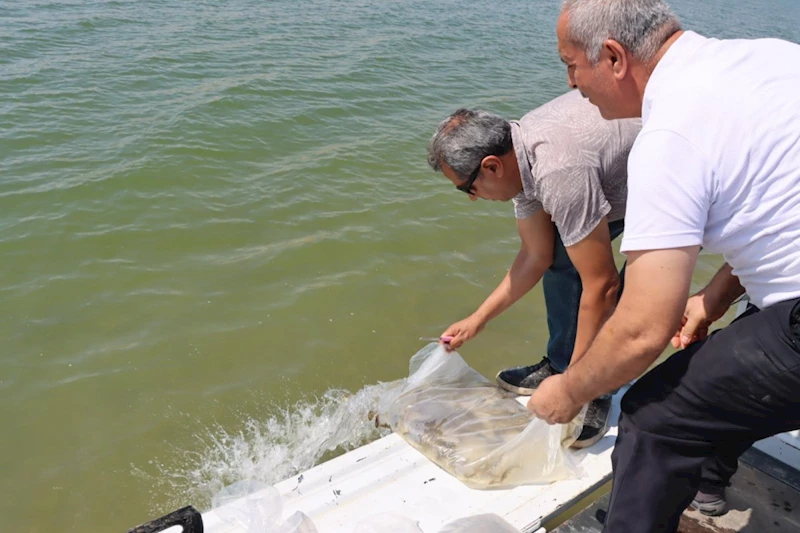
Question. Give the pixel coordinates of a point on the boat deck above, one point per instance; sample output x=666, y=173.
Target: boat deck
x=764, y=497
x=389, y=476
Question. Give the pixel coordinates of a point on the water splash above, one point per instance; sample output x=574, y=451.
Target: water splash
x=268, y=451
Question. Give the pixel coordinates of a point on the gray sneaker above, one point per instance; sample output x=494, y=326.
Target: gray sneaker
x=710, y=503
x=595, y=424
x=523, y=380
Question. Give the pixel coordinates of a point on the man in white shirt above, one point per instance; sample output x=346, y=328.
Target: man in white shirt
x=717, y=165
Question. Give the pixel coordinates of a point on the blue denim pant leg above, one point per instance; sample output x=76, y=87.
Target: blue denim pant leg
x=562, y=295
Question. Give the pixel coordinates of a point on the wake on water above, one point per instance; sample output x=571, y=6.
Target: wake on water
x=268, y=451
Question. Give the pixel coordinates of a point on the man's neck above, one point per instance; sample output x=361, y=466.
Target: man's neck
x=511, y=166
x=651, y=65
x=643, y=71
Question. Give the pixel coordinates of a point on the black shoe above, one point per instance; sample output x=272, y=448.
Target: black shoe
x=710, y=503
x=595, y=424
x=523, y=380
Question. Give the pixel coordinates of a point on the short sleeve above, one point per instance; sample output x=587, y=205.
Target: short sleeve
x=670, y=190
x=525, y=207
x=574, y=199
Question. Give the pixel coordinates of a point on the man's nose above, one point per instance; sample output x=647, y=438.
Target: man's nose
x=473, y=196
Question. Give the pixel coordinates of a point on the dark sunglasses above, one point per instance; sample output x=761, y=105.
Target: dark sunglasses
x=467, y=187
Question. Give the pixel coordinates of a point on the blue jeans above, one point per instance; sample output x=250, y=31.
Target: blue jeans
x=562, y=297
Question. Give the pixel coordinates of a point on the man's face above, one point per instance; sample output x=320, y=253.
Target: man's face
x=489, y=185
x=595, y=82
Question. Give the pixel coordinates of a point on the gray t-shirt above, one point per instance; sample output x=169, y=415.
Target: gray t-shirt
x=573, y=164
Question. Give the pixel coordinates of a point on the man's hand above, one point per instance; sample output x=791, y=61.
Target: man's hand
x=697, y=318
x=551, y=403
x=707, y=306
x=462, y=331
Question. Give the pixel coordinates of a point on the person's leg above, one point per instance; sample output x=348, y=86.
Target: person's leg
x=715, y=476
x=562, y=293
x=562, y=288
x=595, y=423
x=740, y=385
x=717, y=470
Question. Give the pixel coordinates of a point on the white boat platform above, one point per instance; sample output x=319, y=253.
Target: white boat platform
x=389, y=476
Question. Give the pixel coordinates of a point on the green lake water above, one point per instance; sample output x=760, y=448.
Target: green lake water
x=217, y=224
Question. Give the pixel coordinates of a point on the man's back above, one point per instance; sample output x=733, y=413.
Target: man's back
x=730, y=111
x=573, y=164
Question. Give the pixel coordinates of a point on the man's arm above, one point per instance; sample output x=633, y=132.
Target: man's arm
x=534, y=258
x=708, y=306
x=656, y=288
x=575, y=198
x=593, y=258
x=649, y=312
x=721, y=291
x=669, y=198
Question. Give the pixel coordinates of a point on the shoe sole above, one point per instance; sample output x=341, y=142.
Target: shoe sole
x=521, y=391
x=710, y=509
x=580, y=444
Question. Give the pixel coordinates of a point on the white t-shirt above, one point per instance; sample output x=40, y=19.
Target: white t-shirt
x=717, y=162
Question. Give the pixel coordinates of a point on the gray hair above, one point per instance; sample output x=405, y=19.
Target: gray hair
x=464, y=138
x=641, y=26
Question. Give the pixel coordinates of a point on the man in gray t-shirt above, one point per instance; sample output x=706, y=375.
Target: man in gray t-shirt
x=565, y=168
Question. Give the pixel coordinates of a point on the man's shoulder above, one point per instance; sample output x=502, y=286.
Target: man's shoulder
x=570, y=132
x=550, y=112
x=702, y=82
x=572, y=119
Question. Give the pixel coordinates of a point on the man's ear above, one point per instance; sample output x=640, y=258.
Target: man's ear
x=617, y=57
x=493, y=165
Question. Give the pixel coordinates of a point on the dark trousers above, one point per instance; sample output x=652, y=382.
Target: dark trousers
x=717, y=471
x=698, y=412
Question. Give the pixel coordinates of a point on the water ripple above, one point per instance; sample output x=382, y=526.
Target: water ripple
x=202, y=198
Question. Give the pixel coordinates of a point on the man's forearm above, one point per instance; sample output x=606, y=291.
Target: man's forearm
x=524, y=274
x=621, y=352
x=721, y=291
x=597, y=304
x=645, y=319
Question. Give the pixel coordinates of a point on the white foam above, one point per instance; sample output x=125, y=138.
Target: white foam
x=270, y=450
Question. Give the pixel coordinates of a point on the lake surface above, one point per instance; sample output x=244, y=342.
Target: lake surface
x=217, y=226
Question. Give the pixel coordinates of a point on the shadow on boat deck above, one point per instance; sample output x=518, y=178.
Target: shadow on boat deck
x=764, y=498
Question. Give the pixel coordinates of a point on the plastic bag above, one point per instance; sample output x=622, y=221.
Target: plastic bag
x=482, y=523
x=255, y=507
x=474, y=430
x=387, y=522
